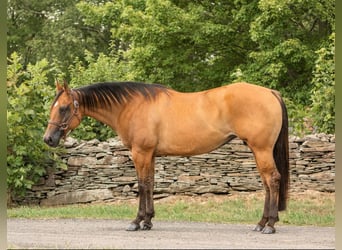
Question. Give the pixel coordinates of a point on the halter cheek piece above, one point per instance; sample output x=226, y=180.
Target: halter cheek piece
x=64, y=125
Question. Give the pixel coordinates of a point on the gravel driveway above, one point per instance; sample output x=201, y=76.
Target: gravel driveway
x=104, y=234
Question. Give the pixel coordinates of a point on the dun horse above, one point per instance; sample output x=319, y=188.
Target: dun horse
x=153, y=120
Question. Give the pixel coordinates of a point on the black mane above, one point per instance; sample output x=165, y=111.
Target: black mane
x=105, y=93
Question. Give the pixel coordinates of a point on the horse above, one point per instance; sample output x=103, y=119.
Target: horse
x=154, y=120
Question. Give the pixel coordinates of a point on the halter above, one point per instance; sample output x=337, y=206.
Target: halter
x=64, y=125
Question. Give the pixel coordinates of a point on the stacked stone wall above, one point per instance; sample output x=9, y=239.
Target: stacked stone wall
x=103, y=172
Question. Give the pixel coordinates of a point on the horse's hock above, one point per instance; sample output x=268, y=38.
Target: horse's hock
x=103, y=172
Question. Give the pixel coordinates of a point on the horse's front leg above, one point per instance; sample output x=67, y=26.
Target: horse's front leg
x=144, y=165
x=149, y=184
x=135, y=224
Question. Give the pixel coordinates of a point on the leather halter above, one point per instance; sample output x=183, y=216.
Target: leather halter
x=65, y=125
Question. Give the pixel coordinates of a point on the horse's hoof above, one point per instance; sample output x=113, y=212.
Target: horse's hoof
x=133, y=227
x=147, y=226
x=258, y=228
x=268, y=230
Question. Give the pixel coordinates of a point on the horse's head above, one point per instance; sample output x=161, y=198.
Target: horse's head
x=64, y=115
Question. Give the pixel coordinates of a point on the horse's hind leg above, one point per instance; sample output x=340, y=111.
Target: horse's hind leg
x=270, y=178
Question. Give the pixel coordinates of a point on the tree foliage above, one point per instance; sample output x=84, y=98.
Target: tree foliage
x=187, y=45
x=52, y=30
x=288, y=33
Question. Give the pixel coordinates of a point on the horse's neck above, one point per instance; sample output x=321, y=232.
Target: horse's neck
x=107, y=116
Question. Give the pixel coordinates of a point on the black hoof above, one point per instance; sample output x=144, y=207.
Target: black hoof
x=258, y=228
x=147, y=226
x=268, y=230
x=133, y=227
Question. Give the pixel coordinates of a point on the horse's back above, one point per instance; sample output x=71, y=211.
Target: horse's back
x=199, y=122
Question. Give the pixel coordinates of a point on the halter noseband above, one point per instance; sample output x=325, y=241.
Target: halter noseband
x=64, y=125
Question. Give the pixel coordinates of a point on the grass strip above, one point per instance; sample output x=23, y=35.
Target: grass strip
x=316, y=209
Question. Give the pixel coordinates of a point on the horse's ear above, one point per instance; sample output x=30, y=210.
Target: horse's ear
x=66, y=87
x=58, y=86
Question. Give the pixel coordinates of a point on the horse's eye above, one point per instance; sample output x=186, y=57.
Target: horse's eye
x=63, y=109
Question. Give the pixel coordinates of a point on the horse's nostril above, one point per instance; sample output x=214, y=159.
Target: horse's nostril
x=48, y=140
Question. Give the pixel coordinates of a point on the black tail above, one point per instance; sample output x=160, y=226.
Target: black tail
x=281, y=156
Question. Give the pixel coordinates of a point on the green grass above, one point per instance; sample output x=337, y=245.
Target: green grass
x=314, y=209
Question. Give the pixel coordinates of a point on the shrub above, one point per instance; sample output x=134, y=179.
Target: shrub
x=29, y=96
x=323, y=92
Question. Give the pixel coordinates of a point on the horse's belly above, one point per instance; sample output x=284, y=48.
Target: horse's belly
x=192, y=143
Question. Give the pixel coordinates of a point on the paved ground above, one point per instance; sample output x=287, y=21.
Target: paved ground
x=104, y=234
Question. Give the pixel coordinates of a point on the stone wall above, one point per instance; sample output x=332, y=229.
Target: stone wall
x=103, y=172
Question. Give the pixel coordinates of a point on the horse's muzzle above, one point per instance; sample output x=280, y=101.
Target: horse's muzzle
x=52, y=140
